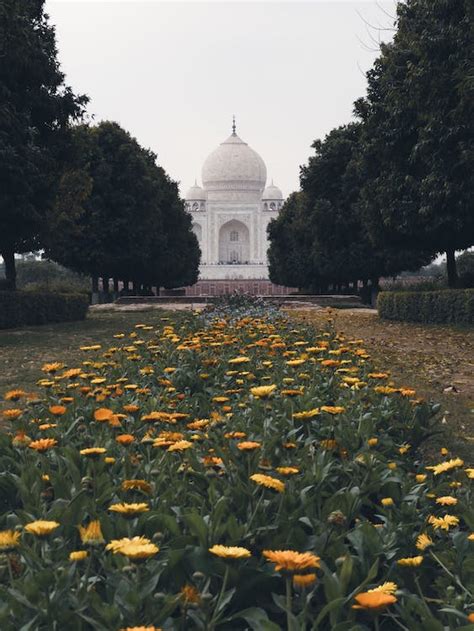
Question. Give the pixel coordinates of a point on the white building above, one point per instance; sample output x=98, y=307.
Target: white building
x=231, y=212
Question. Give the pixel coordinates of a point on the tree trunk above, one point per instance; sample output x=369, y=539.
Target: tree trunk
x=116, y=285
x=453, y=279
x=136, y=288
x=95, y=285
x=10, y=269
x=374, y=282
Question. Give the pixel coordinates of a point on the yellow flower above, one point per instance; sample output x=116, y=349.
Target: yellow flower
x=92, y=452
x=420, y=477
x=470, y=473
x=58, y=410
x=50, y=368
x=239, y=360
x=387, y=501
x=268, y=481
x=91, y=534
x=332, y=409
x=262, y=392
x=423, y=541
x=248, y=445
x=78, y=555
x=442, y=467
x=446, y=500
x=129, y=510
x=443, y=523
x=374, y=600
x=287, y=470
x=14, y=395
x=9, y=539
x=372, y=442
x=306, y=414
x=136, y=549
x=410, y=561
x=12, y=413
x=136, y=485
x=295, y=362
x=43, y=444
x=385, y=588
x=180, y=445
x=304, y=580
x=230, y=552
x=291, y=561
x=41, y=528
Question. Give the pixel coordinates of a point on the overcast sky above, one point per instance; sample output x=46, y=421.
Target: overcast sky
x=174, y=73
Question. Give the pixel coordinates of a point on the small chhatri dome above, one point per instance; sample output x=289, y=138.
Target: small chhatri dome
x=234, y=171
x=272, y=192
x=196, y=193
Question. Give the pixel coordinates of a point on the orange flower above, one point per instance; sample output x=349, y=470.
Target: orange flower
x=125, y=439
x=190, y=595
x=291, y=561
x=373, y=600
x=43, y=444
x=268, y=481
x=304, y=580
x=92, y=533
x=14, y=395
x=136, y=485
x=58, y=410
x=248, y=445
x=102, y=415
x=12, y=413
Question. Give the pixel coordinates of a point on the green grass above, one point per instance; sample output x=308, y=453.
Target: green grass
x=24, y=351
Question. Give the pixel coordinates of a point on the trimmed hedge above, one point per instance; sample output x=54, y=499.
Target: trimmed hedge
x=21, y=308
x=447, y=306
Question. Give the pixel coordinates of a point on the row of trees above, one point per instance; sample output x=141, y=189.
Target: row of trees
x=90, y=196
x=391, y=190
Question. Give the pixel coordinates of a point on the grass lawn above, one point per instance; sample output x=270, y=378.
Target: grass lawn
x=24, y=351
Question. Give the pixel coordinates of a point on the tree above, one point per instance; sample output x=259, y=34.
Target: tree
x=118, y=215
x=36, y=112
x=418, y=140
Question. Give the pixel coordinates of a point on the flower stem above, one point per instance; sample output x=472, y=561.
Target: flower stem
x=288, y=602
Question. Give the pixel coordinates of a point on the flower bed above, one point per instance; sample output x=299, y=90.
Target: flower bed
x=229, y=474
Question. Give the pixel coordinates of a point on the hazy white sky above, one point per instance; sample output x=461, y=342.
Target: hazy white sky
x=173, y=73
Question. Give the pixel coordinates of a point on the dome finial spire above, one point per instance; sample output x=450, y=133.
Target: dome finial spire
x=233, y=125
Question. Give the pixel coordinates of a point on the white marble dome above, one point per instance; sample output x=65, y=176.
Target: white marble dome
x=196, y=193
x=234, y=171
x=272, y=192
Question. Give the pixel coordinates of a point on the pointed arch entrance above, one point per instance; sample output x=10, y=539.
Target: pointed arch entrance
x=234, y=243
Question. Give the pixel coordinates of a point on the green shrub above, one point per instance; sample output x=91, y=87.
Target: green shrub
x=449, y=306
x=20, y=308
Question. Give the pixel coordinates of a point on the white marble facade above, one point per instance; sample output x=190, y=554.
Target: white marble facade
x=231, y=212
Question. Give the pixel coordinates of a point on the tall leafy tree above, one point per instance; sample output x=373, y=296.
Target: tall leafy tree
x=118, y=214
x=36, y=112
x=418, y=140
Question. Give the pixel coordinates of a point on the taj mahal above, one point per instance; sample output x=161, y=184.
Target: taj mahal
x=231, y=212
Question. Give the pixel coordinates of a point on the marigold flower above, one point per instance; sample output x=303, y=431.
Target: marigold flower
x=92, y=452
x=470, y=473
x=420, y=477
x=287, y=470
x=136, y=550
x=446, y=500
x=78, y=555
x=372, y=442
x=21, y=440
x=125, y=439
x=423, y=541
x=180, y=445
x=387, y=501
x=306, y=414
x=410, y=561
x=130, y=408
x=41, y=528
x=248, y=445
x=443, y=523
x=43, y=444
x=262, y=392
x=268, y=481
x=58, y=410
x=12, y=413
x=333, y=409
x=239, y=360
x=386, y=588
x=291, y=561
x=190, y=595
x=442, y=467
x=136, y=485
x=230, y=552
x=374, y=600
x=129, y=510
x=14, y=395
x=378, y=375
x=51, y=368
x=92, y=533
x=103, y=415
x=9, y=539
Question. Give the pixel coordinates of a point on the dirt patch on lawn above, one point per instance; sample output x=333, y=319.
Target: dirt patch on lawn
x=438, y=361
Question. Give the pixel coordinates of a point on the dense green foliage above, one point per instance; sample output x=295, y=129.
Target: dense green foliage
x=36, y=112
x=418, y=141
x=393, y=190
x=29, y=308
x=449, y=306
x=119, y=215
